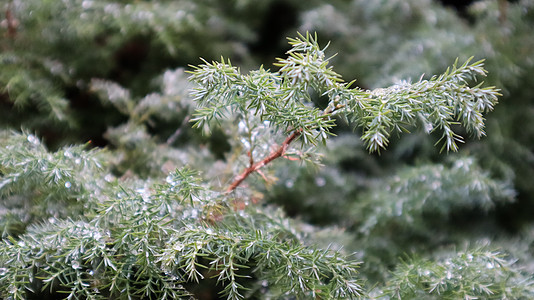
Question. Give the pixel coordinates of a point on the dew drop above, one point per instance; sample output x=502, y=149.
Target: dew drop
x=108, y=178
x=170, y=180
x=32, y=139
x=97, y=235
x=68, y=185
x=245, y=143
x=3, y=271
x=242, y=126
x=76, y=265
x=178, y=247
x=143, y=193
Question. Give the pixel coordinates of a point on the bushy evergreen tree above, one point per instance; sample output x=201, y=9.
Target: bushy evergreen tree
x=130, y=169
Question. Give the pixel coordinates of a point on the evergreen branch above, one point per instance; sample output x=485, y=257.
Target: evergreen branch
x=440, y=189
x=282, y=99
x=473, y=274
x=306, y=65
x=278, y=152
x=112, y=93
x=133, y=249
x=227, y=250
x=52, y=183
x=186, y=184
x=438, y=103
x=223, y=92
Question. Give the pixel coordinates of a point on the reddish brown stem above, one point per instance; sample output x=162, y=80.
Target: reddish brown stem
x=278, y=152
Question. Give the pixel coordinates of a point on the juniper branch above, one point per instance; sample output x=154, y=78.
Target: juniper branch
x=278, y=152
x=283, y=99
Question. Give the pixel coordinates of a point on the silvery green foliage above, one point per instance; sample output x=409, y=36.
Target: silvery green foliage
x=423, y=207
x=477, y=273
x=131, y=222
x=37, y=183
x=437, y=190
x=156, y=241
x=283, y=98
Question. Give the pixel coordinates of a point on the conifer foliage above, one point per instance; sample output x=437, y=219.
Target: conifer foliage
x=143, y=178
